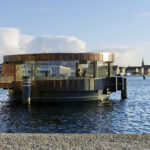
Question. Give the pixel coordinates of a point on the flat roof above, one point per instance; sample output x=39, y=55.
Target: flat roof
x=107, y=57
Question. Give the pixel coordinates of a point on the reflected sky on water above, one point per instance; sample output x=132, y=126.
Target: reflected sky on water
x=113, y=116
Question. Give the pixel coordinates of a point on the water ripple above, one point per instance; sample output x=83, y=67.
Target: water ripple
x=112, y=116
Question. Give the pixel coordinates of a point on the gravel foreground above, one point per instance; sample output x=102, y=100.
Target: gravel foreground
x=74, y=141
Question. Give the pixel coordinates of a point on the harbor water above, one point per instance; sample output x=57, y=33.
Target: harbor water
x=112, y=116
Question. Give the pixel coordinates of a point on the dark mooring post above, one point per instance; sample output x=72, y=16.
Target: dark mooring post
x=26, y=90
x=124, y=88
x=108, y=74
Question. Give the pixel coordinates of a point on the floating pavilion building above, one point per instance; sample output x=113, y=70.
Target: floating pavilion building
x=55, y=77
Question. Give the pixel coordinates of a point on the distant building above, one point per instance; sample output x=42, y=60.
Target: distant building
x=133, y=70
x=122, y=70
x=119, y=70
x=142, y=62
x=146, y=68
x=139, y=70
x=116, y=70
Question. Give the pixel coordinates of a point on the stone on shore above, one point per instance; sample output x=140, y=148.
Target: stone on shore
x=74, y=141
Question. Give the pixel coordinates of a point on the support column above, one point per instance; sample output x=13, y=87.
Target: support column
x=108, y=86
x=108, y=69
x=95, y=69
x=108, y=77
x=124, y=88
x=26, y=90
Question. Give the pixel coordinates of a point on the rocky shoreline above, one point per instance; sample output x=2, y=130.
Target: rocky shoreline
x=74, y=141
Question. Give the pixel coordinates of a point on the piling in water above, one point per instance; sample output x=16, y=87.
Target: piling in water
x=124, y=88
x=26, y=90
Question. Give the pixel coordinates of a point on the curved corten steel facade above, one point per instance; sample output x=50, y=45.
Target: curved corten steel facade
x=59, y=56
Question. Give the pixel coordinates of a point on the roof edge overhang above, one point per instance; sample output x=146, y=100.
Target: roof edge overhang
x=106, y=57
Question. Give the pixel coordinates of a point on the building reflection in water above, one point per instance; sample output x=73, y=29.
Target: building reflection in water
x=81, y=117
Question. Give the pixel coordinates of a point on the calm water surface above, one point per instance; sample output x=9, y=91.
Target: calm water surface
x=113, y=116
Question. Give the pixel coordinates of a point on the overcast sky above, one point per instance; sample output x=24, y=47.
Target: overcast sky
x=120, y=26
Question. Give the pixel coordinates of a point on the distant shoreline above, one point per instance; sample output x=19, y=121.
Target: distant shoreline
x=74, y=141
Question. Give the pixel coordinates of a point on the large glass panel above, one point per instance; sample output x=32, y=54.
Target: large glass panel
x=63, y=69
x=102, y=69
x=28, y=68
x=85, y=69
x=111, y=69
x=49, y=70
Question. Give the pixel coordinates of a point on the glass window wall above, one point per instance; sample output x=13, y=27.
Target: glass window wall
x=102, y=69
x=64, y=69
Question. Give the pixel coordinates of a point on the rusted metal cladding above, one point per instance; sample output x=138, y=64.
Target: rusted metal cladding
x=7, y=76
x=6, y=81
x=8, y=69
x=111, y=57
x=64, y=85
x=57, y=56
x=60, y=85
x=6, y=85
